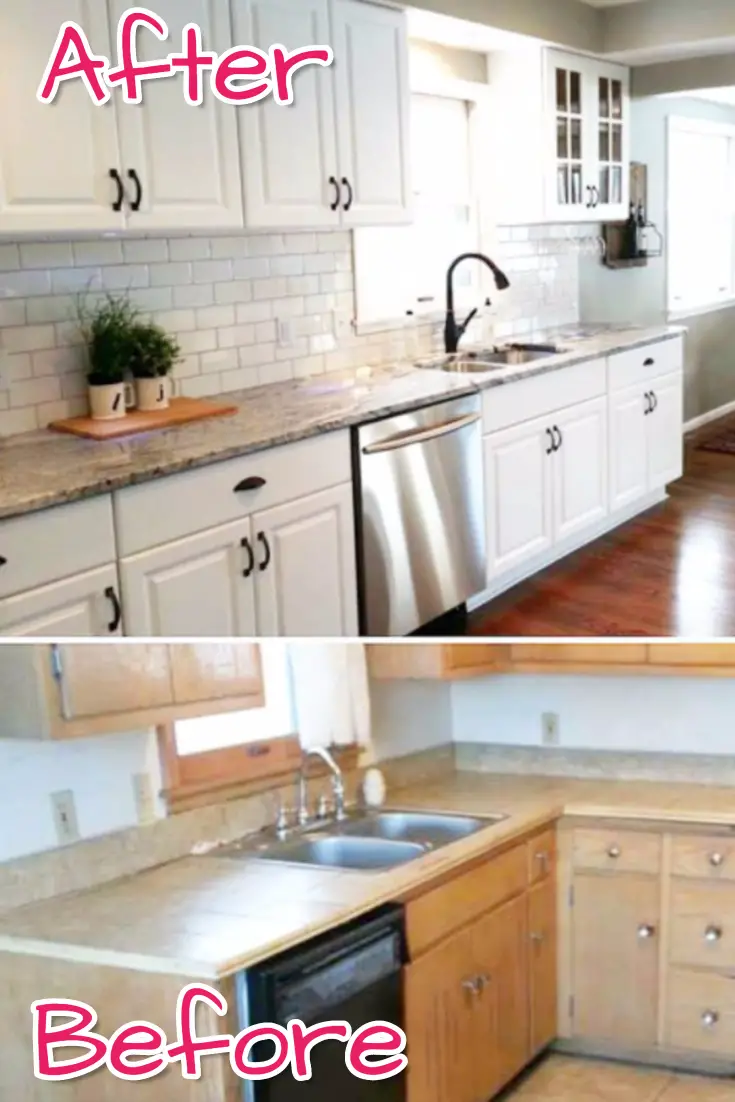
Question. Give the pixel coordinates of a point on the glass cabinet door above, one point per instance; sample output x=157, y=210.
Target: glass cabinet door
x=571, y=139
x=612, y=169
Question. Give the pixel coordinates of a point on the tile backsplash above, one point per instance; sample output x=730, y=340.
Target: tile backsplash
x=247, y=309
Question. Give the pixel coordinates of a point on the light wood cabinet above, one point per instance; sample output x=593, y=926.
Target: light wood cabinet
x=70, y=691
x=578, y=654
x=542, y=972
x=691, y=654
x=434, y=661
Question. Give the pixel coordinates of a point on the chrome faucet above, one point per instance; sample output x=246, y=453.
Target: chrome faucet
x=338, y=785
x=453, y=330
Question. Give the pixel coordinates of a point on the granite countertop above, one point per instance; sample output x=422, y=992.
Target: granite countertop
x=41, y=469
x=208, y=917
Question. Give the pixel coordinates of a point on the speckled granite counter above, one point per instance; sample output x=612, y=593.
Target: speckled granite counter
x=41, y=469
x=209, y=916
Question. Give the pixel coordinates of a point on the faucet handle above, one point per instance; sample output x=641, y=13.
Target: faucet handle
x=322, y=808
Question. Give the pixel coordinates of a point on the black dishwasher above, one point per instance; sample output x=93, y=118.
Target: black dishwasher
x=351, y=974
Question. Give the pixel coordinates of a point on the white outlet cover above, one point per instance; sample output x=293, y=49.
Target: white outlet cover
x=550, y=729
x=64, y=811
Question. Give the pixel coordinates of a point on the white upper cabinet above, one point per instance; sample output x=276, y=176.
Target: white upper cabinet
x=289, y=153
x=55, y=159
x=610, y=151
x=184, y=159
x=373, y=105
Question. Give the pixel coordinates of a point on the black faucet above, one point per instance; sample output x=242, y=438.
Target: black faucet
x=453, y=332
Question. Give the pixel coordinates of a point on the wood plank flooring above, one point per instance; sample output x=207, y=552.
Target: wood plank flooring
x=670, y=572
x=564, y=1079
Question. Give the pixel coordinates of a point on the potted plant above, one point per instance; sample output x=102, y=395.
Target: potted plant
x=108, y=331
x=154, y=354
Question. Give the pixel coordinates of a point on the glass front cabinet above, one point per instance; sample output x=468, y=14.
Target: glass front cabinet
x=588, y=112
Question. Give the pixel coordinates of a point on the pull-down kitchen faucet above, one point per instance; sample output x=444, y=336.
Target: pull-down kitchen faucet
x=453, y=331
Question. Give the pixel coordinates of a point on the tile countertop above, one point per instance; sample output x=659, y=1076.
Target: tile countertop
x=207, y=917
x=41, y=469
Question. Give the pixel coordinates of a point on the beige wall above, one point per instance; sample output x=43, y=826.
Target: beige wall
x=684, y=76
x=428, y=59
x=565, y=22
x=656, y=24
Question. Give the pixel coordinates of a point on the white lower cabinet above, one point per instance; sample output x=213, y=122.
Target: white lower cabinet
x=287, y=571
x=546, y=481
x=646, y=438
x=83, y=605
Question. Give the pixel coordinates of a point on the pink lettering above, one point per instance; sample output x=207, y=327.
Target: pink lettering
x=72, y=57
x=373, y=1038
x=233, y=65
x=192, y=60
x=77, y=1034
x=191, y=1048
x=262, y=1069
x=285, y=64
x=130, y=71
x=303, y=1040
x=137, y=1039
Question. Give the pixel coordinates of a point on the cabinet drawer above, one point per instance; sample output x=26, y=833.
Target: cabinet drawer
x=503, y=406
x=708, y=858
x=55, y=543
x=640, y=365
x=436, y=914
x=700, y=1012
x=180, y=505
x=703, y=924
x=616, y=850
x=542, y=857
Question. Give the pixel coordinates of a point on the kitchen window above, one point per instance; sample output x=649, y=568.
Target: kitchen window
x=701, y=215
x=400, y=271
x=221, y=754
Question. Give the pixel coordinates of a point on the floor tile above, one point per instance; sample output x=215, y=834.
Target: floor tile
x=687, y=1088
x=565, y=1079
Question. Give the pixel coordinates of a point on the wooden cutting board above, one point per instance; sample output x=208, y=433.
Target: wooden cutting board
x=180, y=412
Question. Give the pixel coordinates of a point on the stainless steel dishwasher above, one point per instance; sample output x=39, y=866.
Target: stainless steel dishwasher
x=420, y=515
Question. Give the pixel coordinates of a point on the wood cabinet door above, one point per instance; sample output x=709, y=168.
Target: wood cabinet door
x=615, y=955
x=439, y=1005
x=307, y=576
x=373, y=108
x=186, y=158
x=215, y=671
x=94, y=679
x=542, y=940
x=579, y=654
x=289, y=154
x=474, y=658
x=55, y=159
x=79, y=606
x=628, y=422
x=500, y=1036
x=580, y=468
x=691, y=654
x=666, y=431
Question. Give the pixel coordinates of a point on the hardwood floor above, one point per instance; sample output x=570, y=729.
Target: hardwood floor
x=670, y=572
x=562, y=1079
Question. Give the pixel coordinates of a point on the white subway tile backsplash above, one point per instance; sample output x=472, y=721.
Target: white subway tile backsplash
x=147, y=251
x=90, y=254
x=13, y=313
x=9, y=258
x=32, y=392
x=190, y=248
x=212, y=271
x=46, y=255
x=24, y=284
x=224, y=359
x=28, y=338
x=170, y=275
x=200, y=295
x=252, y=268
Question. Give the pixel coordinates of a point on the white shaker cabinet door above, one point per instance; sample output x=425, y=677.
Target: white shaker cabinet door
x=580, y=468
x=519, y=478
x=55, y=158
x=628, y=446
x=289, y=154
x=666, y=431
x=373, y=107
x=184, y=159
x=84, y=605
x=307, y=581
x=202, y=585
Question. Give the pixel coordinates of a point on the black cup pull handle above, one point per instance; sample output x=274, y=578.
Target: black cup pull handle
x=649, y=405
x=115, y=175
x=248, y=549
x=262, y=538
x=649, y=362
x=654, y=401
x=116, y=609
x=248, y=484
x=337, y=193
x=133, y=175
x=551, y=449
x=560, y=441
x=350, y=193
x=590, y=200
x=3, y=561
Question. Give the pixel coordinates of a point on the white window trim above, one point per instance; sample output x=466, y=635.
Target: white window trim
x=684, y=124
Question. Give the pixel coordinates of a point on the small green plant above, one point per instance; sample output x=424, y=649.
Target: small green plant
x=154, y=351
x=108, y=330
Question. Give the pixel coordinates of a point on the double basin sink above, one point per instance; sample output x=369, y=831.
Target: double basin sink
x=493, y=359
x=365, y=841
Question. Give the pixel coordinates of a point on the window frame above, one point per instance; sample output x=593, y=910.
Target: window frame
x=687, y=124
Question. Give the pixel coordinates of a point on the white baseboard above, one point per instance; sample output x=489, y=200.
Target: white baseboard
x=535, y=566
x=705, y=418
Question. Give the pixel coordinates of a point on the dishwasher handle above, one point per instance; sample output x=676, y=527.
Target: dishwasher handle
x=423, y=436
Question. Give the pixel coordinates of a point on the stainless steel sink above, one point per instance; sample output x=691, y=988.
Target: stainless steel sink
x=492, y=359
x=416, y=826
x=344, y=852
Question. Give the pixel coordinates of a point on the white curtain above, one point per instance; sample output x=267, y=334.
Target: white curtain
x=331, y=694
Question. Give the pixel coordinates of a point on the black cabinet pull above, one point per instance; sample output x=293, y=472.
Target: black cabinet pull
x=551, y=449
x=560, y=441
x=590, y=197
x=649, y=362
x=116, y=609
x=350, y=193
x=115, y=175
x=337, y=193
x=3, y=561
x=649, y=405
x=262, y=538
x=247, y=484
x=133, y=175
x=248, y=548
x=654, y=401
x=595, y=197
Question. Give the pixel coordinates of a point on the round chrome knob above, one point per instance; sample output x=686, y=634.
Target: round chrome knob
x=710, y=1018
x=614, y=852
x=713, y=934
x=645, y=933
x=716, y=860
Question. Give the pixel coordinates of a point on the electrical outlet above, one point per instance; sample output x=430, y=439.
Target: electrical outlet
x=285, y=329
x=64, y=812
x=145, y=800
x=550, y=729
